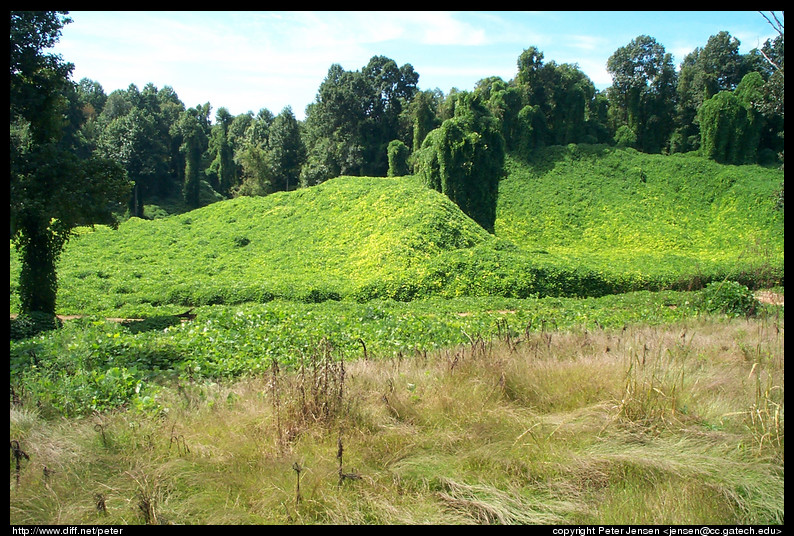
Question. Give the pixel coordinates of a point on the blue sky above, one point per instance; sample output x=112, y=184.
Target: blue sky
x=248, y=60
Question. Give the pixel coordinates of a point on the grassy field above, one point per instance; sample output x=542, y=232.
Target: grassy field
x=360, y=352
x=674, y=424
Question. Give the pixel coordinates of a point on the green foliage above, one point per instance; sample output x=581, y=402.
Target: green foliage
x=398, y=154
x=643, y=91
x=465, y=159
x=654, y=221
x=355, y=116
x=728, y=297
x=56, y=185
x=580, y=221
x=28, y=325
x=287, y=151
x=95, y=364
x=625, y=137
x=729, y=129
x=194, y=141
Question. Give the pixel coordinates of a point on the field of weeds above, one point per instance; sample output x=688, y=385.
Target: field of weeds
x=671, y=424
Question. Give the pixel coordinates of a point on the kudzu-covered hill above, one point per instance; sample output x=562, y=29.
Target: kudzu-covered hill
x=581, y=220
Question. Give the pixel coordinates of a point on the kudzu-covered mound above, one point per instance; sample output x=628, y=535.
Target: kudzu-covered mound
x=577, y=221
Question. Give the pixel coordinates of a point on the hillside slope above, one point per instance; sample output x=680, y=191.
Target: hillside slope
x=311, y=244
x=581, y=220
x=648, y=217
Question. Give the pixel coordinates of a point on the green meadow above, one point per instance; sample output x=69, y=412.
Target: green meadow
x=361, y=352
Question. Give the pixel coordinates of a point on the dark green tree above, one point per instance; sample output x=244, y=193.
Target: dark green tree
x=222, y=172
x=354, y=117
x=251, y=154
x=643, y=92
x=398, y=154
x=771, y=103
x=53, y=189
x=287, y=151
x=423, y=111
x=505, y=103
x=730, y=125
x=550, y=104
x=194, y=143
x=133, y=142
x=464, y=159
x=332, y=128
x=170, y=107
x=706, y=71
x=92, y=98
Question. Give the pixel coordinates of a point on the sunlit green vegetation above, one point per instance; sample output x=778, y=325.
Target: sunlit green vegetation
x=584, y=221
x=664, y=221
x=678, y=423
x=342, y=347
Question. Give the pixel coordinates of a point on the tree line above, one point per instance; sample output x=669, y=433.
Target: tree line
x=72, y=142
x=375, y=120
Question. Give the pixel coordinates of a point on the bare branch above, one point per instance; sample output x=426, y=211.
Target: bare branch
x=777, y=25
x=772, y=63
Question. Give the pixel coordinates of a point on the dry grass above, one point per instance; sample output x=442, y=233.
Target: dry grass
x=681, y=424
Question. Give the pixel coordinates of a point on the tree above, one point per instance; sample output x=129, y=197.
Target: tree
x=398, y=154
x=730, y=127
x=643, y=92
x=354, y=117
x=287, y=150
x=505, y=103
x=705, y=72
x=423, y=111
x=92, y=97
x=53, y=190
x=771, y=104
x=194, y=143
x=132, y=140
x=251, y=154
x=222, y=170
x=257, y=168
x=464, y=159
x=549, y=104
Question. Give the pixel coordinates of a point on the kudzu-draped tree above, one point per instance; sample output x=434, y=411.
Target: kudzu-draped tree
x=643, y=92
x=54, y=187
x=730, y=126
x=398, y=154
x=464, y=159
x=222, y=171
x=194, y=143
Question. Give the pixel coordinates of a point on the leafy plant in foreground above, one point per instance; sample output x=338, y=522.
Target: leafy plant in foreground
x=730, y=298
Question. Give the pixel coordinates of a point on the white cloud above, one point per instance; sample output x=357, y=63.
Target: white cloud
x=252, y=60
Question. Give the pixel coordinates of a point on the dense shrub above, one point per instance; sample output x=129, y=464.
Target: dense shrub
x=728, y=297
x=398, y=154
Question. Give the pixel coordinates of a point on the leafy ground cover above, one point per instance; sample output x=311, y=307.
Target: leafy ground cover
x=361, y=352
x=582, y=221
x=96, y=364
x=680, y=423
x=658, y=220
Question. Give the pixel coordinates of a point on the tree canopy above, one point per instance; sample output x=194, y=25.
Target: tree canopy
x=53, y=188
